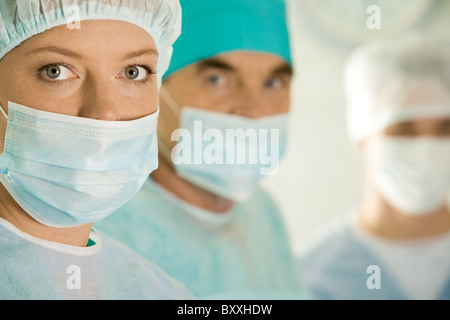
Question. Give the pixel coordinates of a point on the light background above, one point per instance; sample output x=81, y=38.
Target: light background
x=321, y=176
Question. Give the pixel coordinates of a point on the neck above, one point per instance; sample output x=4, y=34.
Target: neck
x=14, y=214
x=380, y=218
x=167, y=178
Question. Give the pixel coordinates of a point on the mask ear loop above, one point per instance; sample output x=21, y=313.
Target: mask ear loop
x=176, y=110
x=3, y=112
x=2, y=148
x=173, y=106
x=165, y=152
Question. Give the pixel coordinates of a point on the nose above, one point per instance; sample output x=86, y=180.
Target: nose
x=248, y=103
x=99, y=100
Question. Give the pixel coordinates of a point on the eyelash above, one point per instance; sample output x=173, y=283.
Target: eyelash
x=55, y=82
x=62, y=82
x=147, y=68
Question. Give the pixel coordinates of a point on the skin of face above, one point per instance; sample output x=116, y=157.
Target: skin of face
x=105, y=70
x=249, y=84
x=426, y=92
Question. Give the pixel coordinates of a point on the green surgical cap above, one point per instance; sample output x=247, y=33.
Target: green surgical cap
x=212, y=27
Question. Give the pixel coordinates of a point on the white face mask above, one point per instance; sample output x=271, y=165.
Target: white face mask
x=66, y=171
x=212, y=154
x=413, y=174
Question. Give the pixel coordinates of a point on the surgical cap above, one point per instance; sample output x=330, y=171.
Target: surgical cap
x=381, y=76
x=212, y=27
x=22, y=19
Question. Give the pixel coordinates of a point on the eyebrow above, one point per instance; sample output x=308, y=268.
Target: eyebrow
x=214, y=63
x=69, y=53
x=141, y=53
x=284, y=69
x=57, y=50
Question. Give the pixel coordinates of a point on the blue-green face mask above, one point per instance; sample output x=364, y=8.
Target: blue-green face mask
x=226, y=154
x=66, y=171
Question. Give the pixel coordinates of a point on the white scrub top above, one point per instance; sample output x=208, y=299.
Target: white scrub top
x=37, y=269
x=343, y=261
x=237, y=254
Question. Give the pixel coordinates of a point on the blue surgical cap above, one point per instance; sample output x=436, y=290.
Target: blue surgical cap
x=22, y=19
x=212, y=27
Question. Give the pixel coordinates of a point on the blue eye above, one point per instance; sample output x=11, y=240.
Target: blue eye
x=217, y=79
x=57, y=72
x=132, y=73
x=274, y=83
x=136, y=73
x=53, y=72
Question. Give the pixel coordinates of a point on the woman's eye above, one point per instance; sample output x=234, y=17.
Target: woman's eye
x=135, y=73
x=57, y=72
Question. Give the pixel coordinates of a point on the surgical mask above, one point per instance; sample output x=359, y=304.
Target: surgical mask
x=66, y=171
x=414, y=173
x=226, y=154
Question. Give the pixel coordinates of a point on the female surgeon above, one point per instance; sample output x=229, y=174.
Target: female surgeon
x=79, y=88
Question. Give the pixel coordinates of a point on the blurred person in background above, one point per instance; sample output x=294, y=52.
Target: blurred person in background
x=396, y=243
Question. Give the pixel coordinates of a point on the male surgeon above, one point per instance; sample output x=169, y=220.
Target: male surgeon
x=202, y=216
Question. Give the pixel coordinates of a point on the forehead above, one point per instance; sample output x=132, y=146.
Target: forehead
x=424, y=121
x=103, y=37
x=246, y=62
x=426, y=90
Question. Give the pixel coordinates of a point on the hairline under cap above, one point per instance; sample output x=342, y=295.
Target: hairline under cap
x=21, y=20
x=62, y=22
x=218, y=55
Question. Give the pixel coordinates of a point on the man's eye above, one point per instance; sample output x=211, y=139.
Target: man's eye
x=274, y=83
x=136, y=73
x=57, y=72
x=217, y=79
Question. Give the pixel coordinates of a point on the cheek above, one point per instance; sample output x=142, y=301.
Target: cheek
x=149, y=101
x=372, y=153
x=191, y=90
x=134, y=101
x=28, y=91
x=286, y=101
x=277, y=102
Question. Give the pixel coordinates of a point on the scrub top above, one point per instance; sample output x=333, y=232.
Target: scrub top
x=241, y=253
x=35, y=269
x=344, y=261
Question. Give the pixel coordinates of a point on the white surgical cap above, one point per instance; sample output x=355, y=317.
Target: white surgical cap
x=22, y=19
x=381, y=76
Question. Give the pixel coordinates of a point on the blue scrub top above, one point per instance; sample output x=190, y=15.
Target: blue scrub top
x=247, y=250
x=334, y=266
